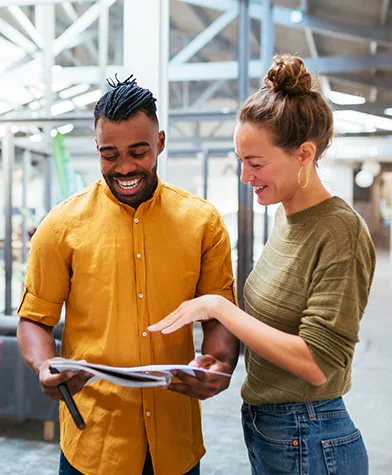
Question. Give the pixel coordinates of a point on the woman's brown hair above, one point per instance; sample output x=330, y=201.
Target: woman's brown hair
x=289, y=107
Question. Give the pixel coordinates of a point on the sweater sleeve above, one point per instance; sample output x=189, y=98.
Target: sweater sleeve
x=337, y=299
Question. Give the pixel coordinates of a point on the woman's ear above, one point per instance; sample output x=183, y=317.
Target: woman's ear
x=306, y=153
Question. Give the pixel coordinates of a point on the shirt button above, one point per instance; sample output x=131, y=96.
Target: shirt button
x=139, y=256
x=144, y=333
x=141, y=296
x=136, y=220
x=148, y=413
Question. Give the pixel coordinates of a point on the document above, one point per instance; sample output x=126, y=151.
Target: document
x=133, y=377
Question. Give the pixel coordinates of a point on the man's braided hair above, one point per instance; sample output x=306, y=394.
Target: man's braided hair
x=125, y=100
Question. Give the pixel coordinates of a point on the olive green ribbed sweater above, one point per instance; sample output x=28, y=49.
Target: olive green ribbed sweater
x=313, y=280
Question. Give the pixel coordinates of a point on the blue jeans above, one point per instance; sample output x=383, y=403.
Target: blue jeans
x=67, y=469
x=316, y=438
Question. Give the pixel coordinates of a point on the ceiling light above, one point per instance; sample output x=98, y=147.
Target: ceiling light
x=62, y=107
x=66, y=129
x=4, y=107
x=35, y=105
x=59, y=87
x=372, y=167
x=36, y=138
x=364, y=179
x=342, y=98
x=88, y=98
x=365, y=119
x=74, y=91
x=296, y=16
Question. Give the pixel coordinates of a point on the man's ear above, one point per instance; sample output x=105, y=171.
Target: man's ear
x=161, y=141
x=306, y=153
x=96, y=144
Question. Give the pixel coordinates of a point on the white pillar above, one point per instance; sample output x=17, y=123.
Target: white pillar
x=338, y=178
x=45, y=24
x=146, y=54
x=103, y=46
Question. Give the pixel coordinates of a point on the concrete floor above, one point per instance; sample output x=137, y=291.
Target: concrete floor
x=22, y=451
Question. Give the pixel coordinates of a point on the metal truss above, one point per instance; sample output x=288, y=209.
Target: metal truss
x=83, y=47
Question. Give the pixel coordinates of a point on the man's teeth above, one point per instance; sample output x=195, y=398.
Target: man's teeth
x=128, y=185
x=257, y=188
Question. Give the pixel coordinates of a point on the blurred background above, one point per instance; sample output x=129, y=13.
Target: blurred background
x=201, y=59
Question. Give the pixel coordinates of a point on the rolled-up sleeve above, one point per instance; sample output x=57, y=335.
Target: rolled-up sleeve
x=47, y=279
x=337, y=300
x=216, y=273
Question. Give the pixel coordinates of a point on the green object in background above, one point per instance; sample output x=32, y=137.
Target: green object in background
x=70, y=182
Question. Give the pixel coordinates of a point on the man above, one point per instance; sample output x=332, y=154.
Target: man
x=122, y=254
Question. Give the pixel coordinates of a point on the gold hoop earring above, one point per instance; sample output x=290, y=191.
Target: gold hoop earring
x=299, y=179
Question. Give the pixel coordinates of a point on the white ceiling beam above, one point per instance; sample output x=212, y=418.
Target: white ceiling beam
x=203, y=71
x=103, y=45
x=81, y=24
x=282, y=16
x=71, y=13
x=22, y=3
x=209, y=92
x=324, y=65
x=17, y=37
x=26, y=24
x=205, y=37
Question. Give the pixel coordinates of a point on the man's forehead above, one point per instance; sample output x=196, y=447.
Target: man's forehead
x=128, y=132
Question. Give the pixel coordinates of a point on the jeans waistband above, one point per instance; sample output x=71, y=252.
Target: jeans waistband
x=310, y=408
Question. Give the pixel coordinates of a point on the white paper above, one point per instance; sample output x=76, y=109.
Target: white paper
x=161, y=374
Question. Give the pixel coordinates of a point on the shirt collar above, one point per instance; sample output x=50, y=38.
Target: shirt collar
x=149, y=202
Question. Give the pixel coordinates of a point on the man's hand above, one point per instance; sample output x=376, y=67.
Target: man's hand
x=49, y=381
x=203, y=385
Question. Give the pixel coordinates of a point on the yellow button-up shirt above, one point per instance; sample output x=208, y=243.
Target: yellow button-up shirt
x=118, y=271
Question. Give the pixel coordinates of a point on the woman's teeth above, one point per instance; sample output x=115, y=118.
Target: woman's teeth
x=128, y=185
x=257, y=188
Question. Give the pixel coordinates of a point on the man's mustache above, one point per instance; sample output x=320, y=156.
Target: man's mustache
x=128, y=175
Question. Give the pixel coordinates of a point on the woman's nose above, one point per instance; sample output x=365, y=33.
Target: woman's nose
x=246, y=175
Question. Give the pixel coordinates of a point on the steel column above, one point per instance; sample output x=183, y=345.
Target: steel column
x=150, y=16
x=8, y=152
x=245, y=192
x=205, y=173
x=103, y=46
x=266, y=53
x=45, y=22
x=26, y=173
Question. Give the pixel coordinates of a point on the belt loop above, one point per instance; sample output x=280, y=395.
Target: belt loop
x=310, y=410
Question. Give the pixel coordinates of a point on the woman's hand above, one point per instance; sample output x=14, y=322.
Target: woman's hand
x=199, y=309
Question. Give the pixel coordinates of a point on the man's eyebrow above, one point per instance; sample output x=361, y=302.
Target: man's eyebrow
x=134, y=145
x=139, y=144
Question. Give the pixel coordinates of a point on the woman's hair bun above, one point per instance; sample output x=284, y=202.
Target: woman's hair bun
x=289, y=75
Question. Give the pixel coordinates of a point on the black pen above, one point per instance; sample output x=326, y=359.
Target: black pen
x=70, y=403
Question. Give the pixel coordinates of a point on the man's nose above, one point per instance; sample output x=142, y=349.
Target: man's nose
x=125, y=164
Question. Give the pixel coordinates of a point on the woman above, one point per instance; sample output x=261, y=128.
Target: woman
x=307, y=293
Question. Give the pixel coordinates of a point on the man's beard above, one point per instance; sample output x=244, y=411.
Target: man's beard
x=149, y=182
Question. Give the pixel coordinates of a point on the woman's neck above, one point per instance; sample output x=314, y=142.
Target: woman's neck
x=304, y=198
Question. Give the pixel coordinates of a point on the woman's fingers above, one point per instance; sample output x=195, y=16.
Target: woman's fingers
x=165, y=323
x=175, y=326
